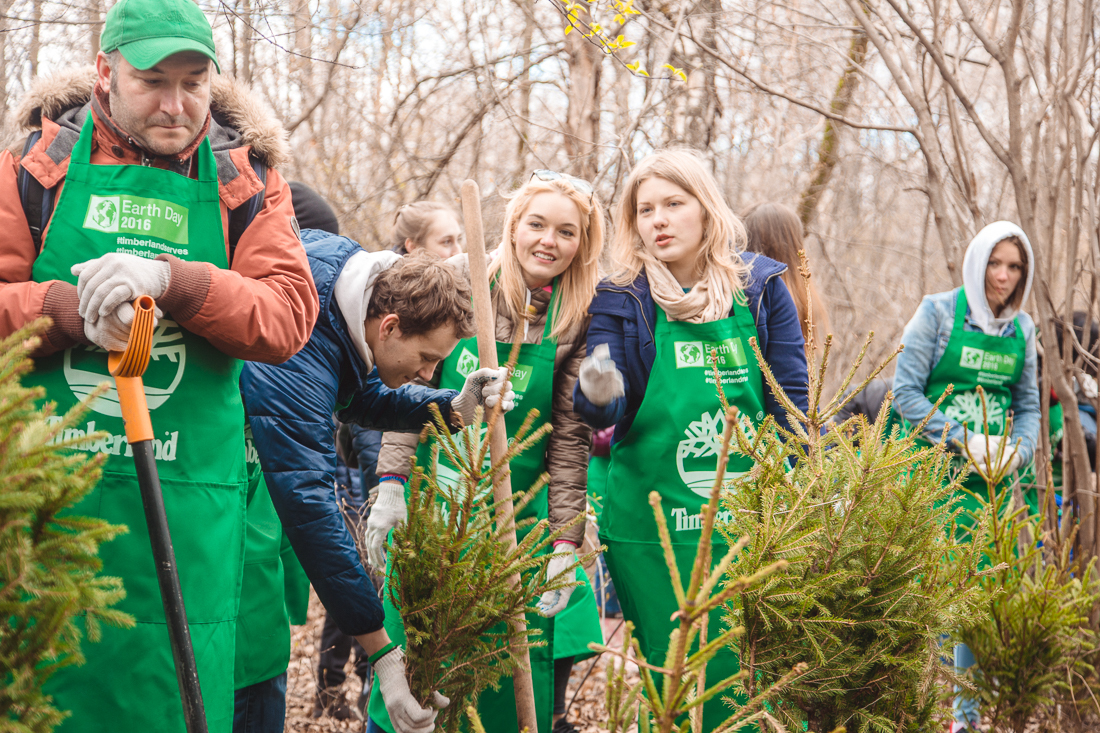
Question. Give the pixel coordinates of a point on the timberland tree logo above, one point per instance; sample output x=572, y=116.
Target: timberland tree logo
x=966, y=407
x=697, y=453
x=85, y=368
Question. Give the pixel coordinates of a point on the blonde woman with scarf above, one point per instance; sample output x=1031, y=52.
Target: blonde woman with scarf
x=976, y=335
x=548, y=258
x=682, y=286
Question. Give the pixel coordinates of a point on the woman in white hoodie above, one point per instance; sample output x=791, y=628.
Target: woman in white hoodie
x=972, y=336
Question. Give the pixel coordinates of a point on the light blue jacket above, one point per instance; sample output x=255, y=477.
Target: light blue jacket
x=925, y=339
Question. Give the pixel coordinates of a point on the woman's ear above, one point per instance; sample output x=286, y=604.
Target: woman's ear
x=411, y=245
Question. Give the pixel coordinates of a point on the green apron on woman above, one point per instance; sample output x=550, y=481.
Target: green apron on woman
x=974, y=359
x=533, y=383
x=672, y=448
x=129, y=682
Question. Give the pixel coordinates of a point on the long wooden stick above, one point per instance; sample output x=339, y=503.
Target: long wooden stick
x=498, y=441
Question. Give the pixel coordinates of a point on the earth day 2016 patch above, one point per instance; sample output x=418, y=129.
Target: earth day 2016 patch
x=731, y=353
x=127, y=214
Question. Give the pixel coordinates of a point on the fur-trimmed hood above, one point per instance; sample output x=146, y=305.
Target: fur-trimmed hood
x=239, y=117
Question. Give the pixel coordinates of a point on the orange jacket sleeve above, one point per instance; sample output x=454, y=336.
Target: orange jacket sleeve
x=264, y=307
x=23, y=301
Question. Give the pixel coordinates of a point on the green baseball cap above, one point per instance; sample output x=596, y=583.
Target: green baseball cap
x=149, y=31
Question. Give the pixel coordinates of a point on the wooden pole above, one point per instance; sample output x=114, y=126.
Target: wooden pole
x=498, y=441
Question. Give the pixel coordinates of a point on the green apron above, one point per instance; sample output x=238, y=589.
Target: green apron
x=271, y=590
x=533, y=383
x=578, y=624
x=672, y=447
x=974, y=359
x=129, y=682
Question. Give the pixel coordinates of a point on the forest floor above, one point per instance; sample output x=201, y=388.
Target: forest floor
x=586, y=685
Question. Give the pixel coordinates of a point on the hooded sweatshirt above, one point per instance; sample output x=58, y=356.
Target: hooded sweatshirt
x=353, y=290
x=974, y=267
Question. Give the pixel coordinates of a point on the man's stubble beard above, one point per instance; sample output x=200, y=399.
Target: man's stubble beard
x=129, y=123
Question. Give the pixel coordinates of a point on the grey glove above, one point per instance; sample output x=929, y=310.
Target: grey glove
x=112, y=331
x=484, y=387
x=107, y=282
x=388, y=511
x=601, y=382
x=405, y=714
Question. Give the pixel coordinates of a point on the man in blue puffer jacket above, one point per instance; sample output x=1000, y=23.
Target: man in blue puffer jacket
x=384, y=321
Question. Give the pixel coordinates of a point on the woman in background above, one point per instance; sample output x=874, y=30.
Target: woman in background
x=427, y=225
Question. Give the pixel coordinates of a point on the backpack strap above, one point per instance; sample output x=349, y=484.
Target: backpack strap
x=242, y=216
x=37, y=200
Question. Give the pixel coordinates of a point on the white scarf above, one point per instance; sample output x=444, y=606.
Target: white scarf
x=710, y=299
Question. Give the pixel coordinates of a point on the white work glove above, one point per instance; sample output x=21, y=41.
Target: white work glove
x=112, y=331
x=484, y=387
x=107, y=282
x=388, y=511
x=983, y=453
x=1011, y=460
x=405, y=714
x=600, y=381
x=555, y=601
x=1087, y=385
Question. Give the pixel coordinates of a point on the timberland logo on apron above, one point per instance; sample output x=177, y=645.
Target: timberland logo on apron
x=142, y=217
x=85, y=369
x=966, y=407
x=697, y=453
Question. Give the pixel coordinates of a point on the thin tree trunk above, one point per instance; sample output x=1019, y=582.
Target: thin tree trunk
x=828, y=154
x=582, y=125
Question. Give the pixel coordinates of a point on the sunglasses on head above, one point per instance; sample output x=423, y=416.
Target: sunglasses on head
x=579, y=184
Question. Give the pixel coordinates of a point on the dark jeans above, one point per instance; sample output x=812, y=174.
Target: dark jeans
x=336, y=648
x=260, y=708
x=373, y=727
x=562, y=668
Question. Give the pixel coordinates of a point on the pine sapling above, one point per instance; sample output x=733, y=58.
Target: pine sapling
x=49, y=563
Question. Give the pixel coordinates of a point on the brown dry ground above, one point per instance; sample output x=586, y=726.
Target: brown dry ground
x=587, y=712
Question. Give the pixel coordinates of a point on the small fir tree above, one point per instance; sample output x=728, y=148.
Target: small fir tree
x=49, y=560
x=1033, y=642
x=449, y=573
x=862, y=515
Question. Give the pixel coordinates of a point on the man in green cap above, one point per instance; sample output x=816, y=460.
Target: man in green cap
x=154, y=176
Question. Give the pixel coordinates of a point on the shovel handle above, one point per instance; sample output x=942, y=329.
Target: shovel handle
x=128, y=366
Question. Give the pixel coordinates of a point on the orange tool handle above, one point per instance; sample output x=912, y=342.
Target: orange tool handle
x=128, y=366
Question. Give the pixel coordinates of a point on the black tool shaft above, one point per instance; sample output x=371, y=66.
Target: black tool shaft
x=179, y=635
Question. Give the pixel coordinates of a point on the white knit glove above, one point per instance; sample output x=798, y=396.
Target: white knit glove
x=405, y=714
x=112, y=331
x=484, y=387
x=1011, y=460
x=601, y=382
x=1087, y=384
x=388, y=511
x=983, y=453
x=107, y=282
x=555, y=601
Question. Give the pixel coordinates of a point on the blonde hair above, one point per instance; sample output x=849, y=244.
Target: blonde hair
x=412, y=221
x=723, y=234
x=578, y=282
